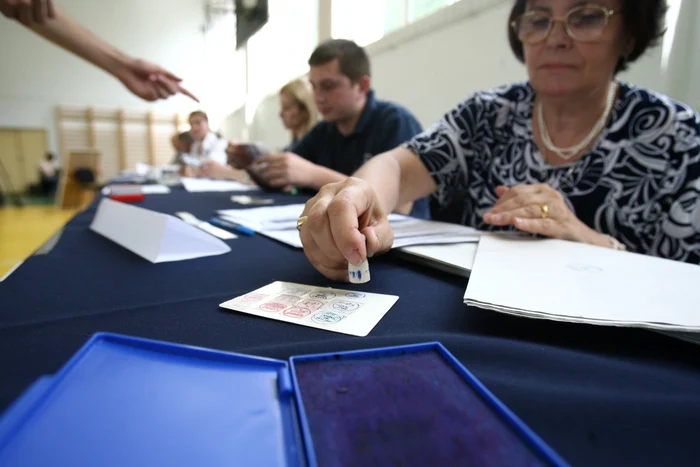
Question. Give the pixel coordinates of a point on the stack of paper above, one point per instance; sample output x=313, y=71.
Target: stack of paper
x=280, y=223
x=575, y=282
x=456, y=259
x=200, y=185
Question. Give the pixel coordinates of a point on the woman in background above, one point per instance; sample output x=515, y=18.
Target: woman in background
x=297, y=110
x=572, y=153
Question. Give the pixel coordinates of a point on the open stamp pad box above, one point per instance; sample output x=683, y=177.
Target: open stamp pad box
x=128, y=401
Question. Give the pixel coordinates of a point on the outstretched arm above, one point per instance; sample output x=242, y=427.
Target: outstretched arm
x=144, y=79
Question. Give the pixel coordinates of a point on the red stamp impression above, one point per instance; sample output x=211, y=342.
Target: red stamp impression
x=254, y=297
x=296, y=312
x=311, y=304
x=273, y=307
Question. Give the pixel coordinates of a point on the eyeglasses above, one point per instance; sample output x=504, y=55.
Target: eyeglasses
x=584, y=23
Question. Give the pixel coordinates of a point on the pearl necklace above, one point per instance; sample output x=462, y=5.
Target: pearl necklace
x=572, y=151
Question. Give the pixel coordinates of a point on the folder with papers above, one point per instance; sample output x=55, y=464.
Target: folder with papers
x=575, y=282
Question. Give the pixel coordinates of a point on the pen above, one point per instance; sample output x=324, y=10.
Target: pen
x=241, y=229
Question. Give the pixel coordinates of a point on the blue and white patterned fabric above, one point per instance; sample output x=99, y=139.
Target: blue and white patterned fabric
x=640, y=183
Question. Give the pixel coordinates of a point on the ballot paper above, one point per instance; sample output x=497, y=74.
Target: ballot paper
x=576, y=282
x=202, y=185
x=280, y=223
x=342, y=311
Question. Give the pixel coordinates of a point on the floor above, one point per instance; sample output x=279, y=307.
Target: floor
x=24, y=229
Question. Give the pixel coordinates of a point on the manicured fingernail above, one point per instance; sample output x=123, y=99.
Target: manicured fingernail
x=353, y=256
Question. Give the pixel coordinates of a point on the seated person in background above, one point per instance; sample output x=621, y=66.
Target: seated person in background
x=571, y=154
x=356, y=125
x=210, y=149
x=48, y=174
x=297, y=111
x=182, y=143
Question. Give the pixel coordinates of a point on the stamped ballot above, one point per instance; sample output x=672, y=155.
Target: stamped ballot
x=343, y=311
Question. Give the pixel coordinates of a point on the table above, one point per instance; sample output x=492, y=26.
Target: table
x=599, y=396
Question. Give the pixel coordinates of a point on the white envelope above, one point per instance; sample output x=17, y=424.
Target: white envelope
x=154, y=236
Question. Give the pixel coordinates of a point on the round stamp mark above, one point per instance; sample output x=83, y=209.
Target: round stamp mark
x=293, y=291
x=296, y=312
x=327, y=317
x=273, y=307
x=345, y=306
x=311, y=304
x=355, y=295
x=254, y=297
x=322, y=295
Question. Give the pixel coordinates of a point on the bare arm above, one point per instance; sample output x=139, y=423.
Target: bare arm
x=323, y=176
x=142, y=78
x=67, y=34
x=398, y=177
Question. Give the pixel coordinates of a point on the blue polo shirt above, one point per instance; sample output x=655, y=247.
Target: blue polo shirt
x=382, y=126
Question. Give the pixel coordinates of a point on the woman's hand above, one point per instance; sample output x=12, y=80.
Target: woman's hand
x=338, y=218
x=540, y=209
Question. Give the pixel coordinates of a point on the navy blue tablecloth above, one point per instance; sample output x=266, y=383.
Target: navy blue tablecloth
x=599, y=396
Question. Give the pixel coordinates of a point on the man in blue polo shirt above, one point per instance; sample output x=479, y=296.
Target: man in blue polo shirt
x=356, y=125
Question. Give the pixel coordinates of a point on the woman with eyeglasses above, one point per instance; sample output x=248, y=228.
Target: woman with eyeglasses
x=572, y=153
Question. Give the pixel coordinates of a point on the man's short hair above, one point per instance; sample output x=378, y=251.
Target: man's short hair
x=199, y=113
x=352, y=59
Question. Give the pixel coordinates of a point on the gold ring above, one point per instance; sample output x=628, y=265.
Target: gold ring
x=301, y=221
x=544, y=211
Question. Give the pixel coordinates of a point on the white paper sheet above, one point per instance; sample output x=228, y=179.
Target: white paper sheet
x=201, y=185
x=154, y=236
x=343, y=311
x=280, y=223
x=155, y=189
x=456, y=259
x=205, y=226
x=575, y=282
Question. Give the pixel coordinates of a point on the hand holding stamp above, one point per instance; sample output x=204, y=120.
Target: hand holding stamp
x=342, y=226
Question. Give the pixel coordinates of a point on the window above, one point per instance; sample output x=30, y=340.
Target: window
x=225, y=71
x=280, y=50
x=418, y=9
x=367, y=21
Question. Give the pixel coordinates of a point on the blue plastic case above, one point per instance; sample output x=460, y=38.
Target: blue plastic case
x=129, y=401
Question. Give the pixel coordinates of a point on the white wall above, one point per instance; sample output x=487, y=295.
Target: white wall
x=36, y=76
x=432, y=65
x=683, y=73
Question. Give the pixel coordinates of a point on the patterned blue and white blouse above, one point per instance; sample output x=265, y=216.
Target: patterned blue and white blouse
x=640, y=183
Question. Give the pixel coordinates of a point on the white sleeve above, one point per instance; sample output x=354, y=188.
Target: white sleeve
x=218, y=151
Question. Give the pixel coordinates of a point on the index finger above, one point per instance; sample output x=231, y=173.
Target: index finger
x=50, y=9
x=187, y=93
x=518, y=190
x=344, y=212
